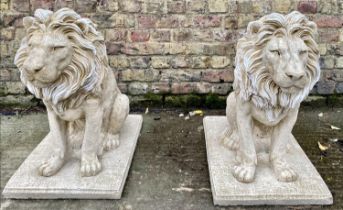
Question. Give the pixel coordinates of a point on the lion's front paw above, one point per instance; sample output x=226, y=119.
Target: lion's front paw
x=244, y=173
x=90, y=165
x=284, y=172
x=111, y=141
x=51, y=166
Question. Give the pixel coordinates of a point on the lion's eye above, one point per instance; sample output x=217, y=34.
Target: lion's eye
x=277, y=52
x=54, y=48
x=302, y=52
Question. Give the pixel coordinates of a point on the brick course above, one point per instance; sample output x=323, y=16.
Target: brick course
x=179, y=46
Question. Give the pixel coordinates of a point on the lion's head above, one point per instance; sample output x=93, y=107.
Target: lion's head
x=277, y=61
x=61, y=55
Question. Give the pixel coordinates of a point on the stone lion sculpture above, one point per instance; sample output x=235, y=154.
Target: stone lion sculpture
x=277, y=64
x=63, y=61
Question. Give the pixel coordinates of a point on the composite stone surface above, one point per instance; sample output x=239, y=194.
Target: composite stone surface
x=309, y=188
x=26, y=183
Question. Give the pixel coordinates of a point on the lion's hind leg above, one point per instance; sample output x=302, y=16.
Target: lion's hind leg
x=230, y=139
x=118, y=116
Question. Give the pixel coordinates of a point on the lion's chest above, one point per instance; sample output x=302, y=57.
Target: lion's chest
x=269, y=117
x=70, y=114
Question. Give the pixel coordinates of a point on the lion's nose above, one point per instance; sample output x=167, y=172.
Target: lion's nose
x=295, y=75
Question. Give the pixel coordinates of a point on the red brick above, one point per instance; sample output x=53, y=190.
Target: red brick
x=329, y=21
x=307, y=6
x=183, y=87
x=207, y=21
x=217, y=76
x=147, y=21
x=139, y=36
x=42, y=4
x=113, y=48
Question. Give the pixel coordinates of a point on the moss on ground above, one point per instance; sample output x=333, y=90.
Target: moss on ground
x=335, y=100
x=210, y=101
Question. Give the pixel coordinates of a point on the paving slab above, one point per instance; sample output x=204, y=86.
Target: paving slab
x=309, y=189
x=68, y=183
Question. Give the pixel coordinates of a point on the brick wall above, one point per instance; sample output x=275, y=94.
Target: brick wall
x=175, y=46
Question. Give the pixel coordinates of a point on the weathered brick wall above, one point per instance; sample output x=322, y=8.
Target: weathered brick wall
x=175, y=46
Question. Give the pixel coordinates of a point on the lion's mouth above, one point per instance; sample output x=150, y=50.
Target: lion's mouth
x=39, y=83
x=291, y=89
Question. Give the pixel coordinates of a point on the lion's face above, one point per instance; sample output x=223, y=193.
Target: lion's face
x=277, y=61
x=48, y=55
x=286, y=58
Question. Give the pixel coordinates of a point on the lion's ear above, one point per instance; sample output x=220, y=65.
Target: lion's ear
x=254, y=27
x=28, y=21
x=312, y=25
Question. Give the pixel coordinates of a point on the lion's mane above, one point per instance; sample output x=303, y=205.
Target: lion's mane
x=89, y=62
x=252, y=79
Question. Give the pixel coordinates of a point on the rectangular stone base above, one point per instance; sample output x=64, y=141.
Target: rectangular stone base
x=265, y=190
x=67, y=183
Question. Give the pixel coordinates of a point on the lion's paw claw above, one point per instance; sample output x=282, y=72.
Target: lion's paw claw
x=244, y=173
x=111, y=142
x=284, y=172
x=90, y=166
x=287, y=175
x=51, y=166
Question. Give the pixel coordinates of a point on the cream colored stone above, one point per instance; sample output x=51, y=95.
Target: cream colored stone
x=281, y=5
x=308, y=189
x=160, y=62
x=272, y=76
x=219, y=62
x=322, y=49
x=63, y=61
x=217, y=6
x=339, y=62
x=26, y=183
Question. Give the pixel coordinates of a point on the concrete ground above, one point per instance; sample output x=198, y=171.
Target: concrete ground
x=169, y=169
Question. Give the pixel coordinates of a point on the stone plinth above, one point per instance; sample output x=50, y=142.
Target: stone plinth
x=265, y=190
x=68, y=183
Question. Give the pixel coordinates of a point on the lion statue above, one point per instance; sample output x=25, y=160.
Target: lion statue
x=277, y=64
x=63, y=61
